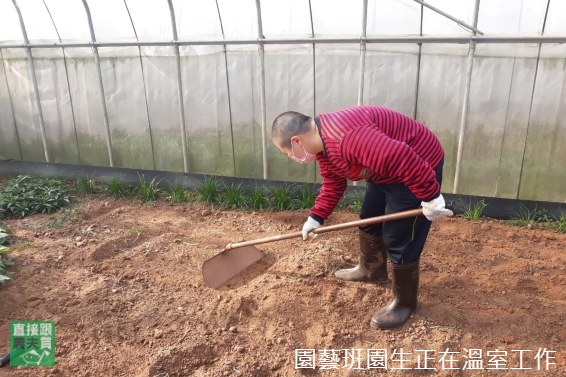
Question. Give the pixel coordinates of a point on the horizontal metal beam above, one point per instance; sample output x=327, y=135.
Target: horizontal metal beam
x=220, y=42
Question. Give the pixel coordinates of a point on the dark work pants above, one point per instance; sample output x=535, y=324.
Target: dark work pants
x=404, y=239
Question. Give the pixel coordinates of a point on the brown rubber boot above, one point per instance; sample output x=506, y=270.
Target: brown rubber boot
x=373, y=261
x=405, y=289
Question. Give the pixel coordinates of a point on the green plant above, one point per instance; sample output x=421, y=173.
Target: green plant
x=178, y=194
x=4, y=260
x=282, y=198
x=306, y=197
x=526, y=217
x=85, y=185
x=192, y=196
x=116, y=187
x=357, y=205
x=4, y=236
x=233, y=196
x=474, y=211
x=26, y=195
x=64, y=216
x=560, y=223
x=147, y=191
x=209, y=191
x=257, y=198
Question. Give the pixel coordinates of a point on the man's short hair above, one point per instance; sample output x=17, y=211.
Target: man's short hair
x=287, y=125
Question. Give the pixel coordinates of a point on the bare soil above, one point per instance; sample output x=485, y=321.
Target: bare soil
x=122, y=281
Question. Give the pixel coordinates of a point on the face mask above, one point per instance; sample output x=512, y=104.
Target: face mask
x=309, y=157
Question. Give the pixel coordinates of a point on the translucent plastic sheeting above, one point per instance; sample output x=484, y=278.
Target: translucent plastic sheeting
x=512, y=16
x=125, y=101
x=337, y=72
x=89, y=122
x=127, y=114
x=10, y=30
x=55, y=98
x=152, y=20
x=163, y=107
x=239, y=18
x=391, y=76
x=556, y=15
x=37, y=21
x=9, y=142
x=393, y=17
x=545, y=154
x=111, y=20
x=441, y=89
x=23, y=107
x=435, y=23
x=206, y=111
x=70, y=19
x=243, y=71
x=498, y=117
x=198, y=18
x=337, y=76
x=288, y=84
x=215, y=144
x=337, y=17
x=286, y=18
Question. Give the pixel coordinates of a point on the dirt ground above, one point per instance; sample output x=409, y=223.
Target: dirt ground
x=122, y=281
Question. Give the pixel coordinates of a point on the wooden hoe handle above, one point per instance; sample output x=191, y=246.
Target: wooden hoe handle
x=330, y=228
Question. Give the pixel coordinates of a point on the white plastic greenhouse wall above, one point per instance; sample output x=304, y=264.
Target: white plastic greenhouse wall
x=488, y=77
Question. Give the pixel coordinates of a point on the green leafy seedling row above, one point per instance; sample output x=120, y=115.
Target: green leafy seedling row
x=26, y=195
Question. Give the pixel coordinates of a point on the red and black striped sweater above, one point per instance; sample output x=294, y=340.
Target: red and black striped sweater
x=371, y=142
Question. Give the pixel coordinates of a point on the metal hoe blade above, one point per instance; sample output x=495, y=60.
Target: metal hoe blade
x=224, y=266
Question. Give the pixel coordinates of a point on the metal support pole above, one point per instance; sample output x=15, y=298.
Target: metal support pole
x=67, y=81
x=363, y=53
x=100, y=85
x=315, y=173
x=459, y=22
x=224, y=50
x=313, y=60
x=144, y=88
x=262, y=84
x=363, y=49
x=179, y=87
x=465, y=106
x=519, y=185
x=419, y=58
x=35, y=91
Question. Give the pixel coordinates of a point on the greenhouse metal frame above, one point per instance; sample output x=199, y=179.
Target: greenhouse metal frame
x=471, y=40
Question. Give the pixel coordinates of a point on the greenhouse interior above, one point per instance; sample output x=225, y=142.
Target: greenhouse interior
x=194, y=86
x=260, y=188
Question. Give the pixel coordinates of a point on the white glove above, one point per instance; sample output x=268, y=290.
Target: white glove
x=436, y=209
x=310, y=225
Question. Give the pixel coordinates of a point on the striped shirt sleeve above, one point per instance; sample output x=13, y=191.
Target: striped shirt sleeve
x=333, y=187
x=370, y=147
